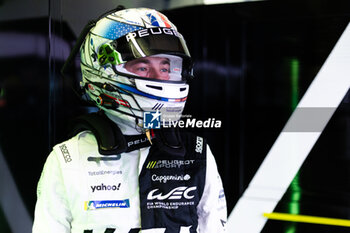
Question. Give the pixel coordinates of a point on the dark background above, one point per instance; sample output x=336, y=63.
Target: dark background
x=253, y=62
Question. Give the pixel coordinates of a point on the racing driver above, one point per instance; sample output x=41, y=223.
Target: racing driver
x=122, y=171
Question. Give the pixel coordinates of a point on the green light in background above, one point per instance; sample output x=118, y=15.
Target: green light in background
x=294, y=205
x=294, y=81
x=2, y=92
x=291, y=229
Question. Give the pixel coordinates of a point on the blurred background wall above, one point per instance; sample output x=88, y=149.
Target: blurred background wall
x=254, y=60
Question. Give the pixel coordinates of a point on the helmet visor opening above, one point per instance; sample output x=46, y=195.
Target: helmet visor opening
x=157, y=67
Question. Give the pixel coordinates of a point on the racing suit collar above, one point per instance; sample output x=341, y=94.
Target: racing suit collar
x=126, y=126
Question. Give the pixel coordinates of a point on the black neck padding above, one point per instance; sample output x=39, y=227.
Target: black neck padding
x=111, y=141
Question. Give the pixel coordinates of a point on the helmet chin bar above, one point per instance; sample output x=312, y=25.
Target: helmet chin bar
x=161, y=89
x=170, y=110
x=106, y=100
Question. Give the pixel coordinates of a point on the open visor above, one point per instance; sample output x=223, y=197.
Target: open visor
x=163, y=67
x=156, y=42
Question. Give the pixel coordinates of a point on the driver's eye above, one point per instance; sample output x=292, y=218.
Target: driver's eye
x=142, y=69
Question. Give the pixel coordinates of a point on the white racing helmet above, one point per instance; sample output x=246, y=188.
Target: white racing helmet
x=136, y=36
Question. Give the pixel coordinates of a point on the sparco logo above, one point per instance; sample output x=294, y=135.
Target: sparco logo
x=103, y=187
x=175, y=194
x=65, y=153
x=199, y=145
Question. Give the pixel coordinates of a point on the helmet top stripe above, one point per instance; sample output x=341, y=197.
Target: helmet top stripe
x=112, y=30
x=165, y=20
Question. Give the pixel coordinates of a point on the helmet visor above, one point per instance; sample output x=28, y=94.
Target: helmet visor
x=151, y=42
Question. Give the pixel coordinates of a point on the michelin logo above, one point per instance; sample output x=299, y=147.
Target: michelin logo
x=94, y=205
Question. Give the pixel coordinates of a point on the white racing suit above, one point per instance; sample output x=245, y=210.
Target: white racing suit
x=82, y=191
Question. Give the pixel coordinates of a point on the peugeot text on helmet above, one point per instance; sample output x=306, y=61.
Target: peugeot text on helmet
x=135, y=60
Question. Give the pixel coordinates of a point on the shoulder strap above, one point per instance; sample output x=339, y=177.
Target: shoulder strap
x=169, y=140
x=108, y=135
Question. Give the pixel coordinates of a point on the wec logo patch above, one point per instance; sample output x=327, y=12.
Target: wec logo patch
x=175, y=194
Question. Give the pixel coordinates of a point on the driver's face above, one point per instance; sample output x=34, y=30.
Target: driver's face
x=150, y=67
